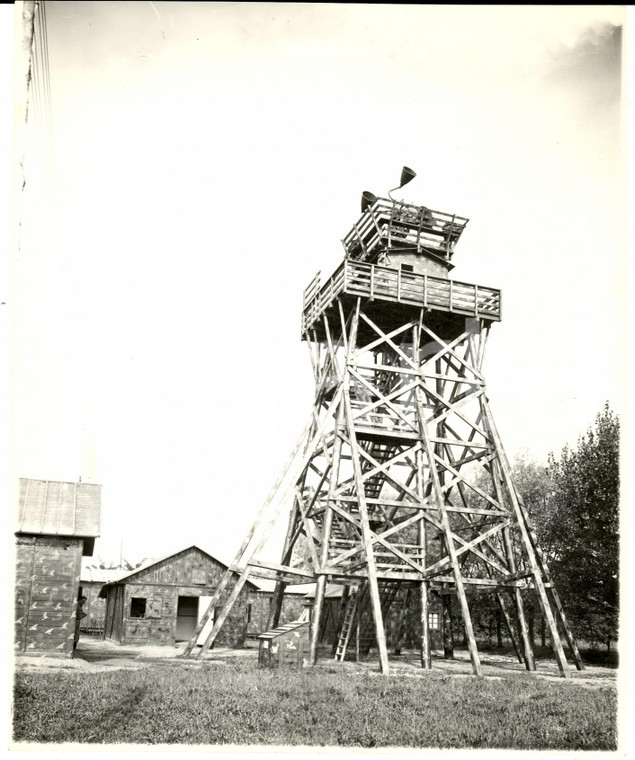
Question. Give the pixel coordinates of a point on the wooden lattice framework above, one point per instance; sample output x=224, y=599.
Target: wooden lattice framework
x=400, y=479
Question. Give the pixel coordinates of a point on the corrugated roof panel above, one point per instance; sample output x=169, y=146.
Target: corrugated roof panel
x=56, y=508
x=50, y=509
x=66, y=511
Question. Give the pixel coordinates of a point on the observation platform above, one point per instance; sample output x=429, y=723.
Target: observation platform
x=398, y=289
x=388, y=225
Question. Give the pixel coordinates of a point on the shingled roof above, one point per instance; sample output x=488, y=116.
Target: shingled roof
x=52, y=508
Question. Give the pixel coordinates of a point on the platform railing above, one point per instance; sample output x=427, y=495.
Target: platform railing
x=358, y=278
x=397, y=224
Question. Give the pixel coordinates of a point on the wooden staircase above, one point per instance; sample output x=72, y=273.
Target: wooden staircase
x=382, y=453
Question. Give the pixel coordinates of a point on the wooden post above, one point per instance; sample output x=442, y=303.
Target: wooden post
x=366, y=537
x=248, y=538
x=244, y=574
x=529, y=549
x=523, y=629
x=448, y=632
x=499, y=628
x=326, y=534
x=315, y=620
x=530, y=663
x=509, y=626
x=426, y=654
x=449, y=541
x=567, y=630
x=422, y=537
x=276, y=605
x=553, y=591
x=278, y=592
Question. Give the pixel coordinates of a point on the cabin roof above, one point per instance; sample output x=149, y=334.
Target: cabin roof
x=126, y=576
x=56, y=508
x=92, y=574
x=332, y=591
x=267, y=585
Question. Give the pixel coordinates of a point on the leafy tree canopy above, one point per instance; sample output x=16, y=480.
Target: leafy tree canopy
x=581, y=530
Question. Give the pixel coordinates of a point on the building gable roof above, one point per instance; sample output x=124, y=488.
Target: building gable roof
x=92, y=574
x=54, y=508
x=130, y=575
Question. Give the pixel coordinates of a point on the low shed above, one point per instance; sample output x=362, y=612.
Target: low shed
x=57, y=525
x=285, y=647
x=294, y=603
x=162, y=601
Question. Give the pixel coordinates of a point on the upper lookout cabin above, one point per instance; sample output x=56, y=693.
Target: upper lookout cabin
x=395, y=234
x=398, y=256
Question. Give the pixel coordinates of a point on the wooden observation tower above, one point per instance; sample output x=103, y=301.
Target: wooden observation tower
x=399, y=485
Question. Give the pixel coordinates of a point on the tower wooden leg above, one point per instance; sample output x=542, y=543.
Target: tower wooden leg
x=510, y=627
x=567, y=631
x=449, y=541
x=530, y=663
x=316, y=618
x=536, y=571
x=276, y=605
x=448, y=633
x=426, y=654
x=373, y=585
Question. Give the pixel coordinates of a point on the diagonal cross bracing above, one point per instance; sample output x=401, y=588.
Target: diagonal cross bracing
x=407, y=480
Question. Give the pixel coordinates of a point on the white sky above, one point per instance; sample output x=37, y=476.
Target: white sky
x=209, y=157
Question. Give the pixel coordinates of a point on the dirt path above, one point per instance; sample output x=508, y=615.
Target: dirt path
x=94, y=656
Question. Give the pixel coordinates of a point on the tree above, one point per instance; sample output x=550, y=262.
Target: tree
x=581, y=532
x=113, y=565
x=573, y=506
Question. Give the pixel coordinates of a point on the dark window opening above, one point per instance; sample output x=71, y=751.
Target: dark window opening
x=408, y=267
x=249, y=613
x=137, y=607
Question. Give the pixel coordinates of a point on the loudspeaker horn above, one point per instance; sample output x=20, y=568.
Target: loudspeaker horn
x=407, y=175
x=367, y=200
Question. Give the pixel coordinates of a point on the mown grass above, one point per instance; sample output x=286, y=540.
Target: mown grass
x=207, y=704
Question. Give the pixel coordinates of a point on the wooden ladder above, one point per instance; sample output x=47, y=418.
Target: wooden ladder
x=354, y=610
x=350, y=616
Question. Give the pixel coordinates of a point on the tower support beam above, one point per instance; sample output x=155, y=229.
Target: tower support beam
x=403, y=482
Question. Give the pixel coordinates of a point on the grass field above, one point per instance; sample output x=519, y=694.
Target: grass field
x=208, y=704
